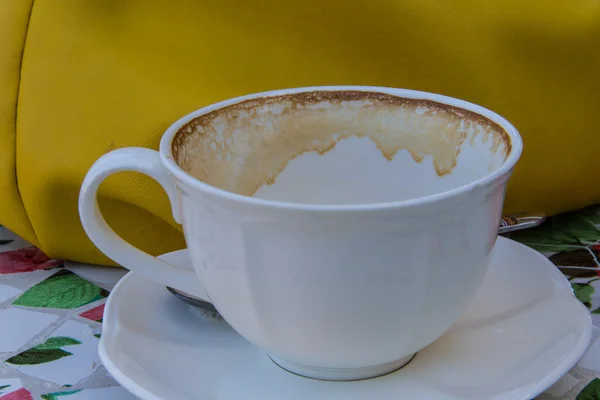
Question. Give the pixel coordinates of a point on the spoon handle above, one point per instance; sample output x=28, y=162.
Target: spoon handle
x=516, y=222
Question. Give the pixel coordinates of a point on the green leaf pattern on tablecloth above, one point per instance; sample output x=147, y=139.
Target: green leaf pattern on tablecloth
x=56, y=395
x=63, y=290
x=560, y=233
x=5, y=241
x=46, y=352
x=57, y=343
x=3, y=387
x=584, y=291
x=35, y=356
x=591, y=391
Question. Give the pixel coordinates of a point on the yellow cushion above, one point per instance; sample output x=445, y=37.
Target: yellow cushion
x=96, y=75
x=14, y=17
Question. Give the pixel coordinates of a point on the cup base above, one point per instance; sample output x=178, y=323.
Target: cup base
x=342, y=374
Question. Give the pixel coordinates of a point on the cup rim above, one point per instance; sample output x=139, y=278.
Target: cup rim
x=168, y=160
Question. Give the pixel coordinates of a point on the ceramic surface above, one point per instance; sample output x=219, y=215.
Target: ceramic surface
x=522, y=332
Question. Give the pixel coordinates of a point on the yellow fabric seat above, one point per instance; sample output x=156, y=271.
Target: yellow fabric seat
x=80, y=78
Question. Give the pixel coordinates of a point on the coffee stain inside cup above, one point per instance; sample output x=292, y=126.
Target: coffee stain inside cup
x=241, y=147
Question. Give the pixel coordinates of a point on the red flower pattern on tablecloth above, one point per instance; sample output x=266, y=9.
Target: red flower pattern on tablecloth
x=21, y=394
x=95, y=314
x=26, y=260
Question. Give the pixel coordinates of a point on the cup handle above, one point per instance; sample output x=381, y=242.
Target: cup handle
x=147, y=162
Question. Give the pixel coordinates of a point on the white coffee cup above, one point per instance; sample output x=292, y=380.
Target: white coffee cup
x=339, y=229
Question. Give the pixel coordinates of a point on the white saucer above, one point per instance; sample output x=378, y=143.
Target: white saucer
x=523, y=331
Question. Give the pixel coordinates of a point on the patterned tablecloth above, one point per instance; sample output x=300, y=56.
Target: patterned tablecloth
x=51, y=315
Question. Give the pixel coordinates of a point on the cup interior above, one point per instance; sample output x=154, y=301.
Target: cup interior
x=340, y=147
